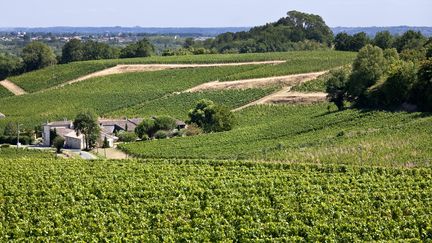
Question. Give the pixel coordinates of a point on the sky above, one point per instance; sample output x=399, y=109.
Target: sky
x=214, y=13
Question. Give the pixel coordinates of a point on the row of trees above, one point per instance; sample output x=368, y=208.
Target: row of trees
x=37, y=55
x=410, y=40
x=381, y=79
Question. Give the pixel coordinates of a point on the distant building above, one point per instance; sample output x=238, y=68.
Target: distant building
x=2, y=116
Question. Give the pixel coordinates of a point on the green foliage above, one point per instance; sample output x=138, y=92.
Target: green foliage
x=105, y=143
x=142, y=48
x=9, y=65
x=277, y=36
x=308, y=134
x=384, y=40
x=316, y=85
x=93, y=50
x=127, y=137
x=29, y=154
x=72, y=51
x=58, y=143
x=200, y=201
x=86, y=123
x=410, y=40
x=146, y=127
x=56, y=75
x=166, y=123
x=336, y=87
x=211, y=117
x=4, y=92
x=422, y=90
x=161, y=134
x=193, y=130
x=37, y=55
x=97, y=94
x=345, y=42
x=367, y=70
x=10, y=129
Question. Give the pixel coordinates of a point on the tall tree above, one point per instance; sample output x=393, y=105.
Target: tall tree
x=211, y=117
x=9, y=65
x=410, y=40
x=37, y=55
x=142, y=48
x=72, y=51
x=383, y=40
x=86, y=123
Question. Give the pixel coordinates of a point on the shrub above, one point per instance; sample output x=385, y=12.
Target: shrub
x=161, y=134
x=422, y=90
x=193, y=130
x=127, y=137
x=58, y=143
x=165, y=123
x=336, y=87
x=146, y=127
x=211, y=117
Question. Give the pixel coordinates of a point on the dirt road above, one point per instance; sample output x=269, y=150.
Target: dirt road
x=289, y=80
x=15, y=89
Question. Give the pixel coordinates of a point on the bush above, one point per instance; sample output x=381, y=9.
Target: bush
x=58, y=143
x=146, y=128
x=127, y=137
x=161, y=134
x=336, y=87
x=211, y=117
x=26, y=140
x=193, y=130
x=166, y=123
x=422, y=90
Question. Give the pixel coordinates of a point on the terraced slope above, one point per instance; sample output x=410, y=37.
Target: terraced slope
x=174, y=200
x=308, y=134
x=297, y=62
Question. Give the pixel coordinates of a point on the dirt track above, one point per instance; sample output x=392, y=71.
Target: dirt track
x=15, y=89
x=285, y=96
x=158, y=67
x=289, y=80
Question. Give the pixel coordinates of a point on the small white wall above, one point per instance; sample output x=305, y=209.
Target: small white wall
x=74, y=143
x=46, y=136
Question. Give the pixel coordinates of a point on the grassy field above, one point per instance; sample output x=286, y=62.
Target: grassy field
x=308, y=134
x=178, y=105
x=175, y=200
x=111, y=93
x=13, y=153
x=317, y=85
x=297, y=62
x=4, y=92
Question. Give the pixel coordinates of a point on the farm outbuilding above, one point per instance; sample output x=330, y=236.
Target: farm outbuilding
x=2, y=116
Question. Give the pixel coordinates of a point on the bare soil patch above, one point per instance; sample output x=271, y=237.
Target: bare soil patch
x=159, y=67
x=289, y=80
x=15, y=89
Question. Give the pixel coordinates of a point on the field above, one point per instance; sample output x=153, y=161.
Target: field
x=13, y=153
x=308, y=134
x=297, y=62
x=178, y=105
x=108, y=94
x=4, y=92
x=175, y=200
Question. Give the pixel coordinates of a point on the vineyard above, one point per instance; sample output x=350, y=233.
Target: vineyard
x=4, y=92
x=176, y=200
x=178, y=105
x=12, y=153
x=308, y=134
x=297, y=62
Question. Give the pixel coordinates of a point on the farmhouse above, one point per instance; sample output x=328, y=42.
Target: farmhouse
x=109, y=128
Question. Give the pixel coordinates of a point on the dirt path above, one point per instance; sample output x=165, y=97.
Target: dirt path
x=111, y=153
x=15, y=89
x=158, y=67
x=285, y=96
x=289, y=80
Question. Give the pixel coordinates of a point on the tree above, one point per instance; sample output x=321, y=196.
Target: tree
x=166, y=123
x=93, y=50
x=37, y=55
x=211, y=117
x=86, y=123
x=142, y=48
x=146, y=127
x=72, y=51
x=10, y=129
x=58, y=143
x=189, y=42
x=410, y=40
x=358, y=41
x=9, y=65
x=336, y=87
x=105, y=143
x=384, y=40
x=422, y=90
x=343, y=42
x=368, y=67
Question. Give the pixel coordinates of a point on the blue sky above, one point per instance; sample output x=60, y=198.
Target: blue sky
x=204, y=13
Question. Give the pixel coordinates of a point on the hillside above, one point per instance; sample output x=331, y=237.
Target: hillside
x=111, y=93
